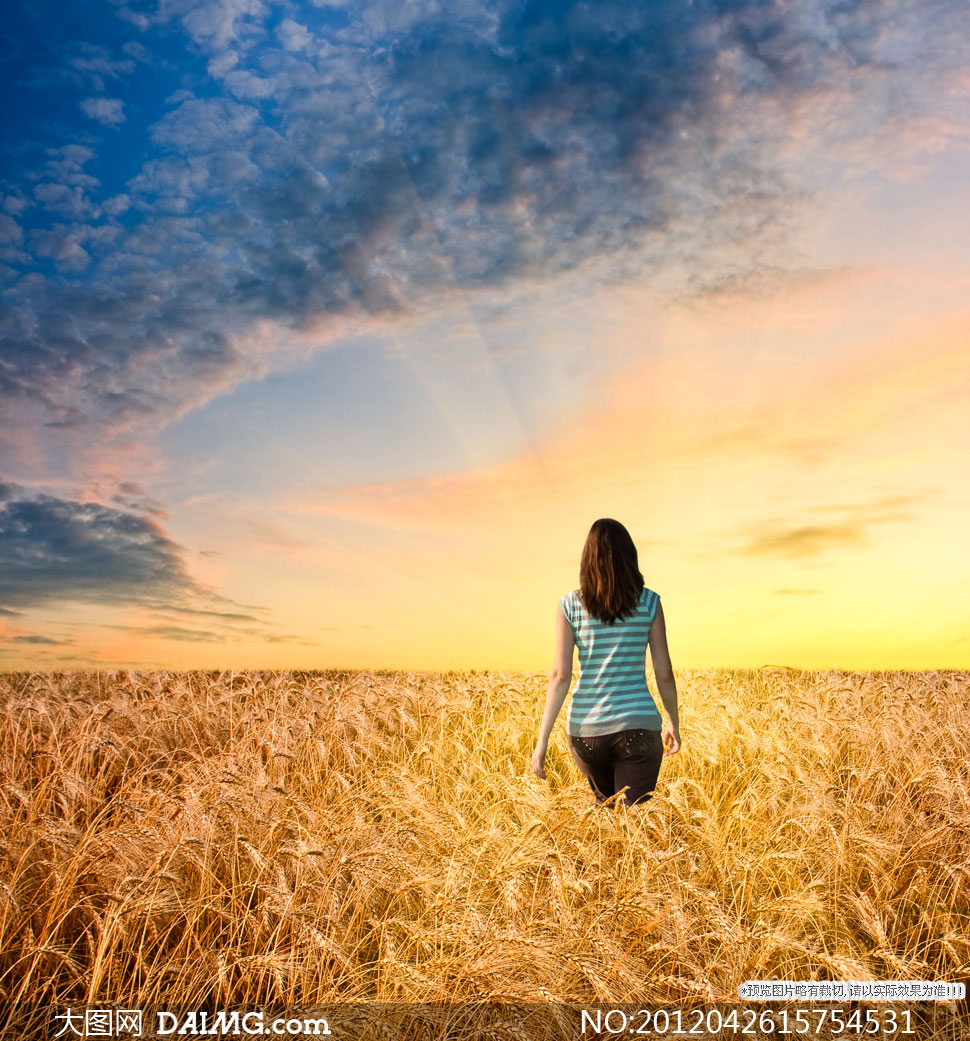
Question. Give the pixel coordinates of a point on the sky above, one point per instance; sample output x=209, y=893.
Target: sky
x=328, y=329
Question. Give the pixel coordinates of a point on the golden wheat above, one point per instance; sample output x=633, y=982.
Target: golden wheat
x=245, y=838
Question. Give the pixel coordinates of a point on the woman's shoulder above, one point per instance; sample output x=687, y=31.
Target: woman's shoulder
x=649, y=603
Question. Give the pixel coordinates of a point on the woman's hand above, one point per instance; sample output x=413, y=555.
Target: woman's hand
x=671, y=738
x=537, y=759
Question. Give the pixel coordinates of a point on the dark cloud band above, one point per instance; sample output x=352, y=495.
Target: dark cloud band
x=54, y=550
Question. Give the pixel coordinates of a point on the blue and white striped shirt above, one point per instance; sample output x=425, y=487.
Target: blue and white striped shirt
x=612, y=692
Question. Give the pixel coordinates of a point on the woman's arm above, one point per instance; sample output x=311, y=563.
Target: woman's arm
x=559, y=680
x=666, y=684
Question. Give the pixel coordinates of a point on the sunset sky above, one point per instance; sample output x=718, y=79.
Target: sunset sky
x=328, y=329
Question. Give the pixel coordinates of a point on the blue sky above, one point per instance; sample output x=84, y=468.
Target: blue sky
x=302, y=278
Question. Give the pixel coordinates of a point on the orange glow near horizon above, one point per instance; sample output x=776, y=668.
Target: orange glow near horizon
x=808, y=519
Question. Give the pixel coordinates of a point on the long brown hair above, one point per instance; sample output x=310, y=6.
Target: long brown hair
x=609, y=574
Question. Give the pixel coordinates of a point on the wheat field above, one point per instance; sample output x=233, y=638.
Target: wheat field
x=220, y=839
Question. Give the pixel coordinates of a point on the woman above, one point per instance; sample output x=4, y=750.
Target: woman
x=616, y=734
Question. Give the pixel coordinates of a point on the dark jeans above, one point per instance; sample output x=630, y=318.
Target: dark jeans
x=628, y=757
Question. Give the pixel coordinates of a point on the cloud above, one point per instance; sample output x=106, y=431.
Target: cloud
x=62, y=246
x=226, y=635
x=56, y=550
x=63, y=551
x=64, y=199
x=131, y=496
x=293, y=36
x=208, y=126
x=65, y=165
x=220, y=21
x=116, y=205
x=94, y=64
x=800, y=540
x=365, y=167
x=64, y=188
x=271, y=535
x=175, y=632
x=225, y=616
x=806, y=540
x=765, y=281
x=109, y=111
x=10, y=231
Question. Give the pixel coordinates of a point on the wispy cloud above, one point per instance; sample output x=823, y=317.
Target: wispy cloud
x=761, y=281
x=110, y=111
x=439, y=503
x=272, y=535
x=175, y=632
x=850, y=526
x=222, y=616
x=228, y=634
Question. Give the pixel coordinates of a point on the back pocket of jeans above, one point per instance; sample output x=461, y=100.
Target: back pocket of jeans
x=639, y=743
x=584, y=748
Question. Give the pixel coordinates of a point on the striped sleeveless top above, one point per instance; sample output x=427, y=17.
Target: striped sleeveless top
x=612, y=692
